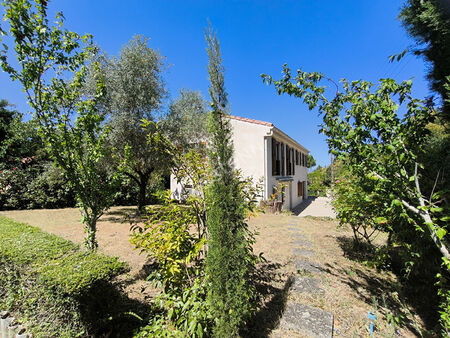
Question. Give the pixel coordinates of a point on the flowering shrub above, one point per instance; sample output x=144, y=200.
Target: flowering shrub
x=28, y=183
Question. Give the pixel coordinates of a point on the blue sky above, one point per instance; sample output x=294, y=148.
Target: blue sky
x=350, y=39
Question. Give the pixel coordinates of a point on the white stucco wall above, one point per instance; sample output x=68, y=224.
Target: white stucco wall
x=252, y=144
x=248, y=142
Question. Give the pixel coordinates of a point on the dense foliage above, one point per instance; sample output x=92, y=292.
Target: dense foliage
x=358, y=206
x=185, y=124
x=59, y=290
x=428, y=22
x=383, y=149
x=134, y=91
x=319, y=180
x=229, y=250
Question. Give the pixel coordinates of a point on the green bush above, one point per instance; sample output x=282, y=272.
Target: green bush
x=52, y=286
x=31, y=183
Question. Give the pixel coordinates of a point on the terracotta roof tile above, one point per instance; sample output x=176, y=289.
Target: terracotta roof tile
x=264, y=123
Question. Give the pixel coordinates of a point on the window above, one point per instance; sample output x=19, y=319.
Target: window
x=296, y=158
x=283, y=163
x=275, y=158
x=288, y=161
x=293, y=161
x=300, y=189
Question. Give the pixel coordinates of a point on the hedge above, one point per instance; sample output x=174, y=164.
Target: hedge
x=53, y=286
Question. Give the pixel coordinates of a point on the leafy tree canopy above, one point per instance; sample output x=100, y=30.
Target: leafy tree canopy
x=185, y=123
x=135, y=90
x=363, y=126
x=69, y=122
x=428, y=22
x=18, y=139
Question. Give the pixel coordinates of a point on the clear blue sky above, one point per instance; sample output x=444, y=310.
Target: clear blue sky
x=346, y=38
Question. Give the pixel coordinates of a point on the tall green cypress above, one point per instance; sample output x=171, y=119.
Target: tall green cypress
x=227, y=258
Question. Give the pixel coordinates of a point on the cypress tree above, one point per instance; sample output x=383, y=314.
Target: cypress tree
x=228, y=253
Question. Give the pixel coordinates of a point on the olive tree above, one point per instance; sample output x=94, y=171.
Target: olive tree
x=135, y=90
x=185, y=123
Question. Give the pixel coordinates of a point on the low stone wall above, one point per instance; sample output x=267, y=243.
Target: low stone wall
x=10, y=329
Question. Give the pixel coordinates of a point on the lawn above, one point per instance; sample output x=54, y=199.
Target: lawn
x=350, y=288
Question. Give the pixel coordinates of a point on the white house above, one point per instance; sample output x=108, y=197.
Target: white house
x=265, y=153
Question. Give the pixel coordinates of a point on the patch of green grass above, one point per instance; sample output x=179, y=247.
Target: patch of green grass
x=51, y=284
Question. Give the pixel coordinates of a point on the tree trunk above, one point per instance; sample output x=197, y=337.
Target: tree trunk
x=91, y=230
x=142, y=200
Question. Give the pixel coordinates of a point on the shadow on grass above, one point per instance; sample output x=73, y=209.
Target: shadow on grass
x=122, y=215
x=107, y=311
x=273, y=300
x=390, y=296
x=147, y=269
x=356, y=251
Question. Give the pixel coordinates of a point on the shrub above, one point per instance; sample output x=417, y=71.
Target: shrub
x=167, y=238
x=50, y=189
x=181, y=315
x=360, y=209
x=31, y=183
x=58, y=290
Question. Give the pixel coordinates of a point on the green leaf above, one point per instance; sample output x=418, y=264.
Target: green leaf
x=436, y=209
x=396, y=202
x=440, y=233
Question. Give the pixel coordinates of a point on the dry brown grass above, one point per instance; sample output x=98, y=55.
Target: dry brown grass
x=350, y=287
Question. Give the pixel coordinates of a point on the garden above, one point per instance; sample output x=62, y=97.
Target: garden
x=93, y=244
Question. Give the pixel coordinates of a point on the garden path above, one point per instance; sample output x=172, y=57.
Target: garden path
x=315, y=206
x=300, y=318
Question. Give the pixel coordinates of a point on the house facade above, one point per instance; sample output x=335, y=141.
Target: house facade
x=268, y=155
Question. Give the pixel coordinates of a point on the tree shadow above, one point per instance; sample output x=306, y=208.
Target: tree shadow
x=123, y=215
x=107, y=311
x=272, y=300
x=418, y=294
x=356, y=251
x=147, y=269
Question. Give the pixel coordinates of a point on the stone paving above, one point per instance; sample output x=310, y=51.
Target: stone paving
x=300, y=318
x=307, y=320
x=307, y=285
x=315, y=206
